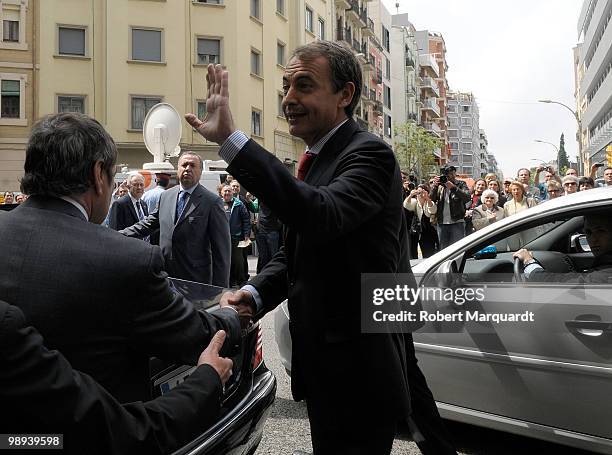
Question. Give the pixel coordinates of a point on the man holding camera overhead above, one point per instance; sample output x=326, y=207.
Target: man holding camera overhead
x=450, y=195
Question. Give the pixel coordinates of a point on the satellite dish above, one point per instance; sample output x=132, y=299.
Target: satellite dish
x=162, y=131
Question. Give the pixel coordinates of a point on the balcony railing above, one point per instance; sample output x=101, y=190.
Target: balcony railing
x=377, y=76
x=433, y=126
x=430, y=83
x=345, y=35
x=378, y=107
x=360, y=13
x=410, y=62
x=368, y=30
x=428, y=61
x=432, y=105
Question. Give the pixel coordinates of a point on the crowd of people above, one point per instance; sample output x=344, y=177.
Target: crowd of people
x=8, y=197
x=444, y=210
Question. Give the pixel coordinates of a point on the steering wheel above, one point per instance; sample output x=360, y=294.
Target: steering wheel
x=518, y=271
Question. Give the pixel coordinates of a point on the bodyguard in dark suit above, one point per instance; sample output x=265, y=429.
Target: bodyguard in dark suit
x=129, y=209
x=193, y=230
x=100, y=298
x=41, y=393
x=344, y=219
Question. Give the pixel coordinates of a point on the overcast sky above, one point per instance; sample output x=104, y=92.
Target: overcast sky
x=509, y=55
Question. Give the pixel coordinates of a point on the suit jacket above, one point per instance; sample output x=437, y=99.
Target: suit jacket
x=197, y=246
x=100, y=298
x=343, y=220
x=123, y=213
x=41, y=393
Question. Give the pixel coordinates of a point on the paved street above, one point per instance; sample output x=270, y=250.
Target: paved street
x=287, y=427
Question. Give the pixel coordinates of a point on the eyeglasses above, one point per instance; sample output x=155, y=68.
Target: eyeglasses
x=553, y=191
x=570, y=183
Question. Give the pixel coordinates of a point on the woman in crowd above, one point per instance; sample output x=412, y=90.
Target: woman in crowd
x=421, y=230
x=479, y=186
x=519, y=200
x=489, y=212
x=553, y=189
x=494, y=185
x=586, y=183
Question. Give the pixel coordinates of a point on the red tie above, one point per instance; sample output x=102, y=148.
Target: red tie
x=304, y=164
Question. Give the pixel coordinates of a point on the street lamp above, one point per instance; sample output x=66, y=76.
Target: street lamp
x=556, y=161
x=579, y=136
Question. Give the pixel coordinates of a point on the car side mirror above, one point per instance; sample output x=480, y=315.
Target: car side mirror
x=580, y=244
x=446, y=273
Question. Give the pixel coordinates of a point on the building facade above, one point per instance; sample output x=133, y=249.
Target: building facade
x=115, y=60
x=464, y=137
x=17, y=87
x=593, y=68
x=404, y=71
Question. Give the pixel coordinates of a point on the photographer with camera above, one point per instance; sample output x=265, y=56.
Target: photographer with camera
x=549, y=173
x=450, y=196
x=422, y=232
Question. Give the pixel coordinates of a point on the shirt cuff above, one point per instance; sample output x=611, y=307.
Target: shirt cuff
x=232, y=146
x=255, y=294
x=531, y=268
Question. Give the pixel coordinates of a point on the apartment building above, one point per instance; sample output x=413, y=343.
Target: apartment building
x=593, y=68
x=464, y=137
x=17, y=81
x=404, y=70
x=488, y=162
x=115, y=60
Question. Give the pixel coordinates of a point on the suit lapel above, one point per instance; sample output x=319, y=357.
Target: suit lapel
x=130, y=204
x=332, y=148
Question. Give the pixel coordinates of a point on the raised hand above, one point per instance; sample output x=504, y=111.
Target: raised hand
x=218, y=124
x=210, y=356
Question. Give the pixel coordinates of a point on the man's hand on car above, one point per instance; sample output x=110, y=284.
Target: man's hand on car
x=241, y=301
x=210, y=356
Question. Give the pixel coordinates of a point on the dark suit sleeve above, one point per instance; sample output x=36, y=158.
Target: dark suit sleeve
x=358, y=192
x=113, y=217
x=41, y=393
x=271, y=282
x=220, y=244
x=147, y=226
x=165, y=325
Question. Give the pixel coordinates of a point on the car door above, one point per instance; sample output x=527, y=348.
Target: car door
x=553, y=368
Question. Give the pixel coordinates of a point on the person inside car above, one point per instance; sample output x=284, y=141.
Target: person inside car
x=40, y=392
x=598, y=230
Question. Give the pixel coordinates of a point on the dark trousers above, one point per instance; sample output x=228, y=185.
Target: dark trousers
x=425, y=423
x=426, y=240
x=238, y=265
x=450, y=233
x=267, y=246
x=339, y=435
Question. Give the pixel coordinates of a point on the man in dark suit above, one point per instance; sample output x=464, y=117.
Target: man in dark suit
x=129, y=209
x=41, y=393
x=99, y=297
x=193, y=230
x=344, y=219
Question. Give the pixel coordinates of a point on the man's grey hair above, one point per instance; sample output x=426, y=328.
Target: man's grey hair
x=343, y=66
x=62, y=152
x=136, y=174
x=190, y=153
x=488, y=193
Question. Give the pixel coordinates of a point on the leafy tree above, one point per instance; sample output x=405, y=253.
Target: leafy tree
x=414, y=148
x=562, y=159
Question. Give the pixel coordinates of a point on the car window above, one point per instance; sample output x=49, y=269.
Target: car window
x=523, y=238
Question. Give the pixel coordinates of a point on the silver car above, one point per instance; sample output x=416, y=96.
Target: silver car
x=550, y=378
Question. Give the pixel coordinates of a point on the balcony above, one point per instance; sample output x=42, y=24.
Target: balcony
x=428, y=62
x=358, y=48
x=377, y=76
x=433, y=127
x=431, y=105
x=356, y=13
x=343, y=4
x=345, y=35
x=378, y=107
x=370, y=64
x=368, y=30
x=429, y=84
x=409, y=62
x=411, y=90
x=412, y=117
x=369, y=96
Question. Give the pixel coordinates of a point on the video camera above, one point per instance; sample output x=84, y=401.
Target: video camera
x=444, y=174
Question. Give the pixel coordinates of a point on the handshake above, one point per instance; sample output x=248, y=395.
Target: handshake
x=244, y=304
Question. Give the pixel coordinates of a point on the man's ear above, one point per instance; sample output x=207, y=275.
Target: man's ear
x=99, y=177
x=347, y=94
